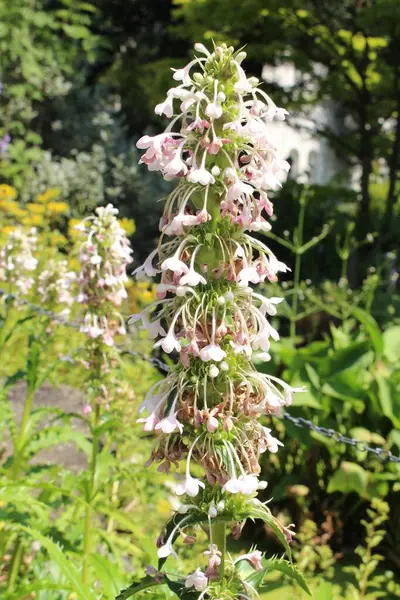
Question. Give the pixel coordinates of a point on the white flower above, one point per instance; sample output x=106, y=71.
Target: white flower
x=214, y=110
x=197, y=580
x=212, y=352
x=166, y=107
x=166, y=550
x=232, y=486
x=192, y=278
x=169, y=343
x=268, y=442
x=247, y=484
x=248, y=274
x=201, y=175
x=175, y=265
x=169, y=424
x=189, y=486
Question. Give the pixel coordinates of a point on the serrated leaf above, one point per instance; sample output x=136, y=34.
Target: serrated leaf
x=291, y=571
x=144, y=584
x=66, y=567
x=12, y=380
x=263, y=514
x=181, y=591
x=104, y=571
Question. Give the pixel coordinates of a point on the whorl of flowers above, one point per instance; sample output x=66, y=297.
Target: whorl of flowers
x=104, y=256
x=17, y=260
x=207, y=410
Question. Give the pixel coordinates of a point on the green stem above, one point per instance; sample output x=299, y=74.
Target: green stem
x=218, y=537
x=21, y=438
x=297, y=265
x=295, y=303
x=87, y=536
x=15, y=564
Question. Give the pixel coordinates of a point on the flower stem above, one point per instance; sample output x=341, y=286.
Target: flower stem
x=218, y=537
x=15, y=564
x=20, y=438
x=297, y=265
x=87, y=536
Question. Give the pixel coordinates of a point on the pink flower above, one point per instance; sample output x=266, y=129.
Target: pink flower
x=149, y=422
x=254, y=559
x=197, y=580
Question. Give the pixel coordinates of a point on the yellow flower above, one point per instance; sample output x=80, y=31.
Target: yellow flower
x=57, y=208
x=11, y=208
x=58, y=239
x=128, y=225
x=48, y=195
x=72, y=232
x=140, y=294
x=7, y=230
x=7, y=192
x=74, y=264
x=37, y=209
x=33, y=220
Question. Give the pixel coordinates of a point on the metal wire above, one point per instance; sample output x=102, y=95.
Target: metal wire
x=383, y=454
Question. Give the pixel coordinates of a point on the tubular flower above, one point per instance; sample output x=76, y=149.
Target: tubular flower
x=104, y=256
x=55, y=286
x=217, y=147
x=17, y=260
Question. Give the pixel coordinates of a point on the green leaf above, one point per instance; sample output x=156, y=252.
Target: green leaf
x=104, y=571
x=371, y=327
x=386, y=395
x=65, y=565
x=133, y=589
x=313, y=376
x=350, y=477
x=76, y=32
x=10, y=381
x=181, y=591
x=391, y=344
x=324, y=591
x=291, y=571
x=344, y=358
x=261, y=512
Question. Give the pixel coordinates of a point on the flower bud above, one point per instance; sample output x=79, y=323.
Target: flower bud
x=201, y=48
x=214, y=371
x=240, y=57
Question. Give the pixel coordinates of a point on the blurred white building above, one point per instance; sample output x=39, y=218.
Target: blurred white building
x=310, y=155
